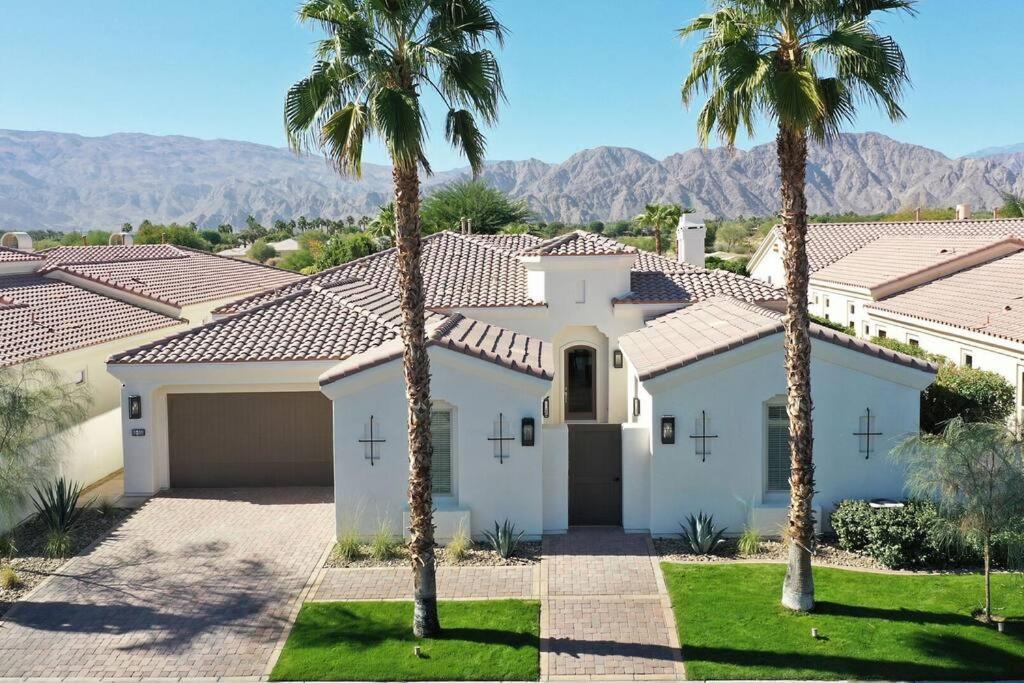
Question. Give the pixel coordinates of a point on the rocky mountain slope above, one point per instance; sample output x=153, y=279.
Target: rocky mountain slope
x=63, y=181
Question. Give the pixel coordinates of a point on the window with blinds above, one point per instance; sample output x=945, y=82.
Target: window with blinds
x=777, y=426
x=441, y=436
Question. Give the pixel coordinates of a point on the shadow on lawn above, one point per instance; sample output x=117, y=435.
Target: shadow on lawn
x=358, y=630
x=917, y=616
x=965, y=660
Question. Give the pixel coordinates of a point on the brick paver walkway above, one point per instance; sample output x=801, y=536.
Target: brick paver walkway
x=194, y=584
x=605, y=611
x=453, y=583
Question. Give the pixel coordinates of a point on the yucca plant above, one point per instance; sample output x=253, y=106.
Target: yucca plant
x=57, y=505
x=701, y=535
x=504, y=539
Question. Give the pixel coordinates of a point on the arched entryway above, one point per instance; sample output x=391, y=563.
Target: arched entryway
x=579, y=378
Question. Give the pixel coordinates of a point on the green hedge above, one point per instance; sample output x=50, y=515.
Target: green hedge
x=831, y=324
x=898, y=537
x=973, y=394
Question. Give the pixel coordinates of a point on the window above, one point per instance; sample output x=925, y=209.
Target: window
x=441, y=436
x=581, y=292
x=826, y=302
x=853, y=309
x=966, y=358
x=815, y=299
x=827, y=317
x=913, y=341
x=881, y=333
x=777, y=443
x=867, y=330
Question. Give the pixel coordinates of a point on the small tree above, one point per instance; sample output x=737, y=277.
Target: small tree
x=969, y=393
x=342, y=248
x=975, y=473
x=487, y=207
x=657, y=218
x=261, y=251
x=37, y=405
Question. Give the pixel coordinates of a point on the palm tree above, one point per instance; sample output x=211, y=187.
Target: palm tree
x=368, y=75
x=656, y=218
x=805, y=65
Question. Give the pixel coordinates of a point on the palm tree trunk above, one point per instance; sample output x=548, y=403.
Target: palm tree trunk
x=798, y=588
x=988, y=581
x=657, y=239
x=416, y=365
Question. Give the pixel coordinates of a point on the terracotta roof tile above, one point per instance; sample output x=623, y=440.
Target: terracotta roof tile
x=688, y=283
x=509, y=349
x=988, y=298
x=829, y=242
x=720, y=324
x=174, y=275
x=579, y=243
x=41, y=317
x=8, y=255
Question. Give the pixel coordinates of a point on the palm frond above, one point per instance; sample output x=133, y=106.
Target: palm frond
x=396, y=116
x=461, y=131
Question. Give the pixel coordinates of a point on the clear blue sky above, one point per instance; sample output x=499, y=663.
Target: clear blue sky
x=579, y=73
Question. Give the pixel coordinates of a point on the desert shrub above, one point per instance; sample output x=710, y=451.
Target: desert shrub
x=736, y=265
x=504, y=539
x=831, y=324
x=105, y=507
x=384, y=544
x=460, y=544
x=261, y=251
x=348, y=546
x=852, y=520
x=908, y=349
x=8, y=546
x=749, y=542
x=342, y=248
x=59, y=544
x=57, y=505
x=972, y=394
x=701, y=534
x=905, y=537
x=9, y=579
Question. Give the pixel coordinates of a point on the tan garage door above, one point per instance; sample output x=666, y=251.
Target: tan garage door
x=249, y=439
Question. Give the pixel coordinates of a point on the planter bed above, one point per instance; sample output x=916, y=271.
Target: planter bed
x=31, y=562
x=479, y=555
x=826, y=554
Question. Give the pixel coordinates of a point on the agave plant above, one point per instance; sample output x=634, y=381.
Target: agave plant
x=700, y=533
x=57, y=504
x=504, y=539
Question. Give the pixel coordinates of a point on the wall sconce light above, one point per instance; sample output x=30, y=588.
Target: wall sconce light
x=528, y=435
x=668, y=430
x=636, y=406
x=134, y=407
x=617, y=358
x=545, y=407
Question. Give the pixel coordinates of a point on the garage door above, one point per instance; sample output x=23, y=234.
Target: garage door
x=249, y=439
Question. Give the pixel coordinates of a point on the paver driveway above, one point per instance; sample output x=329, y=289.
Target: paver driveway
x=196, y=583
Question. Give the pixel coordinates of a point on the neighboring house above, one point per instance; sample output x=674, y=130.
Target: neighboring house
x=72, y=307
x=283, y=247
x=951, y=287
x=574, y=380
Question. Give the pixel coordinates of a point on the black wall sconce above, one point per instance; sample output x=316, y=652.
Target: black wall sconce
x=636, y=406
x=617, y=358
x=545, y=407
x=528, y=434
x=134, y=407
x=668, y=430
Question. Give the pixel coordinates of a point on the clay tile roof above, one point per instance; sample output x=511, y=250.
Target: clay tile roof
x=686, y=284
x=720, y=324
x=829, y=242
x=458, y=271
x=987, y=298
x=8, y=255
x=174, y=275
x=579, y=243
x=41, y=317
x=498, y=345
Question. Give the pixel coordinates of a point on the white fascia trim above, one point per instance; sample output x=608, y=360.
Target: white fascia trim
x=952, y=332
x=858, y=361
x=20, y=267
x=713, y=364
x=540, y=311
x=862, y=293
x=579, y=262
x=254, y=373
x=761, y=250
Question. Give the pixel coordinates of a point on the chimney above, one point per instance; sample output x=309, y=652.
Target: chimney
x=469, y=226
x=85, y=241
x=995, y=213
x=690, y=240
x=963, y=212
x=17, y=240
x=917, y=214
x=121, y=239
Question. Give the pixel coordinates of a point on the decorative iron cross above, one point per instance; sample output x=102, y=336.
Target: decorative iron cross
x=867, y=433
x=500, y=440
x=371, y=455
x=703, y=436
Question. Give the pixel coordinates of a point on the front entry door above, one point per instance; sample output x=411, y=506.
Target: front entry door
x=580, y=383
x=595, y=475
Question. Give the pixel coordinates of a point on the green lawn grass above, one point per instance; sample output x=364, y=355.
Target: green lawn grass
x=373, y=641
x=871, y=626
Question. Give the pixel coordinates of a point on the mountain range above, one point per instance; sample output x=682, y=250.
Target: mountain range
x=64, y=181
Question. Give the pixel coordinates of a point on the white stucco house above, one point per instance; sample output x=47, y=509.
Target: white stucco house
x=70, y=308
x=575, y=381
x=951, y=287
